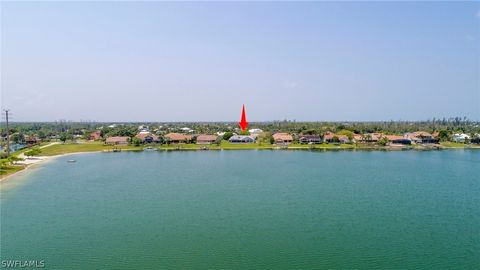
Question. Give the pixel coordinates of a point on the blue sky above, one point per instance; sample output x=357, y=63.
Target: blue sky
x=185, y=61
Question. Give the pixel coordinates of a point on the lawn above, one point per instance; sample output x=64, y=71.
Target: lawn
x=58, y=149
x=453, y=144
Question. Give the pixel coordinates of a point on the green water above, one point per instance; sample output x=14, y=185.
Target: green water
x=247, y=210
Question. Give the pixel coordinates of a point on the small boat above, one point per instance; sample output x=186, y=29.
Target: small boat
x=71, y=161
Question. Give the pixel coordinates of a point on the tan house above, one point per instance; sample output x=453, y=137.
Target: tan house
x=206, y=139
x=178, y=138
x=282, y=138
x=147, y=137
x=329, y=137
x=396, y=139
x=117, y=140
x=420, y=137
x=32, y=140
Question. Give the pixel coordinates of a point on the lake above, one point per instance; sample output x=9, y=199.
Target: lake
x=246, y=210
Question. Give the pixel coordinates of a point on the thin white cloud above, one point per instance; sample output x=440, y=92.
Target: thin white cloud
x=469, y=37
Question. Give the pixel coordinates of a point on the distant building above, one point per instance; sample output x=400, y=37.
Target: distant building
x=96, y=135
x=310, y=139
x=255, y=131
x=186, y=130
x=178, y=138
x=242, y=139
x=117, y=140
x=206, y=139
x=282, y=138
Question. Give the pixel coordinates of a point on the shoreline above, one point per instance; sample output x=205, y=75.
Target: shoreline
x=44, y=159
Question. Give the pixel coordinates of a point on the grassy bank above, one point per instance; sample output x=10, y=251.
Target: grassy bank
x=10, y=169
x=59, y=149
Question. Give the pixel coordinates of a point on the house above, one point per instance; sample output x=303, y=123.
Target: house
x=32, y=140
x=343, y=138
x=95, y=136
x=186, y=130
x=367, y=137
x=420, y=137
x=242, y=139
x=255, y=131
x=397, y=139
x=117, y=140
x=282, y=138
x=460, y=137
x=147, y=137
x=206, y=139
x=330, y=137
x=310, y=139
x=475, y=139
x=178, y=138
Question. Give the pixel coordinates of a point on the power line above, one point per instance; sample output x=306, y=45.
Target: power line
x=8, y=132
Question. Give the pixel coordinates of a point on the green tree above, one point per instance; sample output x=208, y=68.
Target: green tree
x=347, y=133
x=383, y=141
x=33, y=152
x=136, y=141
x=14, y=159
x=17, y=138
x=443, y=135
x=63, y=137
x=227, y=135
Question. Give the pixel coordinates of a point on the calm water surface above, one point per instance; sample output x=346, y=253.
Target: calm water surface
x=246, y=210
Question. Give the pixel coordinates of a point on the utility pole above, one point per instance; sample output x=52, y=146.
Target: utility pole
x=8, y=133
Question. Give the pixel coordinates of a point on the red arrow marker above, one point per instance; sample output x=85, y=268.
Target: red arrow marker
x=243, y=122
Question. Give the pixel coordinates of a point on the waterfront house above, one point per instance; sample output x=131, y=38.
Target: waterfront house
x=420, y=137
x=95, y=136
x=117, y=140
x=147, y=137
x=330, y=137
x=282, y=138
x=475, y=139
x=310, y=139
x=368, y=137
x=206, y=139
x=242, y=139
x=343, y=138
x=460, y=137
x=32, y=140
x=178, y=138
x=397, y=139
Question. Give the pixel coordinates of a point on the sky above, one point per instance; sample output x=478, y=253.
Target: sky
x=187, y=61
